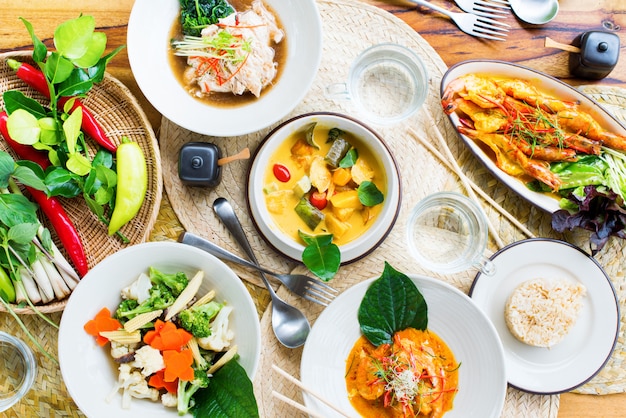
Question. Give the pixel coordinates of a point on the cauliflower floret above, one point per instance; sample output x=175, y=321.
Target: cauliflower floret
x=149, y=360
x=136, y=386
x=119, y=350
x=169, y=399
x=139, y=289
x=221, y=336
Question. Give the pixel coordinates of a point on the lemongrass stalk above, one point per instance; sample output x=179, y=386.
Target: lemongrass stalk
x=30, y=289
x=43, y=281
x=57, y=257
x=34, y=308
x=61, y=290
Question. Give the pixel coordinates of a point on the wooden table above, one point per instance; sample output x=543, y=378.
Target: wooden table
x=525, y=45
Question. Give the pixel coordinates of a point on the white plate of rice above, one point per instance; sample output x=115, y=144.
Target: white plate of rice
x=587, y=345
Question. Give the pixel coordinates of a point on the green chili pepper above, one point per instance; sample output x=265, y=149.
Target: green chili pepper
x=7, y=290
x=132, y=183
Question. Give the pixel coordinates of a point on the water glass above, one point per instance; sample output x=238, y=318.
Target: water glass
x=387, y=83
x=448, y=233
x=18, y=370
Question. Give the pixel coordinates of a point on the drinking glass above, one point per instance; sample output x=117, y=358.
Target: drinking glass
x=17, y=370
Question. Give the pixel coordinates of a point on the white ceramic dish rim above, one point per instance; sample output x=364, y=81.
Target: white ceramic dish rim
x=337, y=329
x=546, y=83
x=148, y=37
x=81, y=359
x=578, y=357
x=264, y=222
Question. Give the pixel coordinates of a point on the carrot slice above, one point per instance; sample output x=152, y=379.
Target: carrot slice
x=102, y=322
x=178, y=365
x=166, y=336
x=157, y=381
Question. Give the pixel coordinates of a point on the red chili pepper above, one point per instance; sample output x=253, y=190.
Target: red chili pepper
x=281, y=173
x=318, y=200
x=37, y=80
x=51, y=207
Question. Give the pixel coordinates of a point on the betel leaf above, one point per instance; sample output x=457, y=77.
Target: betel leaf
x=229, y=394
x=350, y=159
x=391, y=303
x=320, y=255
x=369, y=195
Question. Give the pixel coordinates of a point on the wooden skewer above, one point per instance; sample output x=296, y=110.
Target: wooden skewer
x=296, y=405
x=549, y=43
x=244, y=154
x=463, y=179
x=306, y=389
x=474, y=186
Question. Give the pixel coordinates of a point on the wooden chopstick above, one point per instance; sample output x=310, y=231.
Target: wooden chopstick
x=306, y=389
x=296, y=405
x=473, y=185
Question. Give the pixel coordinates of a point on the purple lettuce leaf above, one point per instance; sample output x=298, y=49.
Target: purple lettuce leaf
x=599, y=212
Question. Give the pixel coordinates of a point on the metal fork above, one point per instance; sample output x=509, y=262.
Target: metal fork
x=497, y=9
x=311, y=289
x=479, y=26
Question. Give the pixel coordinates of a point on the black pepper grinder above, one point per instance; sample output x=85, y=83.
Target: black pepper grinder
x=599, y=53
x=199, y=163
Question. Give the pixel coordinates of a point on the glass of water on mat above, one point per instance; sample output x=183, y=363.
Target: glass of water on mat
x=448, y=233
x=387, y=83
x=18, y=370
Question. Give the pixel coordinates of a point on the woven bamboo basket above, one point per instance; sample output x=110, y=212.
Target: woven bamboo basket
x=119, y=113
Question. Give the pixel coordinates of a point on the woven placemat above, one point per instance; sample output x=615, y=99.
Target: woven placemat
x=119, y=113
x=421, y=174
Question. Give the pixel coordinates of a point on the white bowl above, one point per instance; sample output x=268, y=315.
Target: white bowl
x=451, y=315
x=148, y=39
x=265, y=223
x=88, y=370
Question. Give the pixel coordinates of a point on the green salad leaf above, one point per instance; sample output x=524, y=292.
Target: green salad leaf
x=198, y=14
x=369, y=195
x=392, y=303
x=228, y=395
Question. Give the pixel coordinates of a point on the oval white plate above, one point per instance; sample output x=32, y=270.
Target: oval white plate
x=264, y=221
x=148, y=41
x=586, y=348
x=451, y=314
x=545, y=83
x=88, y=370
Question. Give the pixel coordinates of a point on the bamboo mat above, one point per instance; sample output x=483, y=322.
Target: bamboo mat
x=421, y=174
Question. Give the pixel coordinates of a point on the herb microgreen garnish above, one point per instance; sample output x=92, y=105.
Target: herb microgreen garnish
x=391, y=303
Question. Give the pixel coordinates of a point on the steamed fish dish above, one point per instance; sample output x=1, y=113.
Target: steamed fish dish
x=235, y=55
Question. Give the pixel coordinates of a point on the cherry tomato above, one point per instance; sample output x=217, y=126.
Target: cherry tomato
x=281, y=173
x=318, y=200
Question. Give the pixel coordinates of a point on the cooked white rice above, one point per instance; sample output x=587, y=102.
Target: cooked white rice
x=541, y=312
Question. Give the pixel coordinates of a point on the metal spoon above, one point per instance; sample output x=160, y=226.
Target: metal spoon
x=290, y=325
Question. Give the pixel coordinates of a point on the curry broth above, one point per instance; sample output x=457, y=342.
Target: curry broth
x=363, y=351
x=179, y=64
x=289, y=222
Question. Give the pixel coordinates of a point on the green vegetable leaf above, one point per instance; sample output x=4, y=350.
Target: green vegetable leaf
x=61, y=182
x=49, y=132
x=321, y=256
x=28, y=177
x=15, y=99
x=229, y=394
x=23, y=233
x=57, y=68
x=7, y=167
x=96, y=72
x=72, y=37
x=23, y=127
x=309, y=135
x=71, y=128
x=78, y=164
x=369, y=195
x=95, y=49
x=350, y=158
x=392, y=303
x=40, y=51
x=16, y=209
x=78, y=83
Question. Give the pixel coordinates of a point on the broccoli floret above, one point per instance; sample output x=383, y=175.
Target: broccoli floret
x=187, y=389
x=160, y=298
x=175, y=282
x=197, y=319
